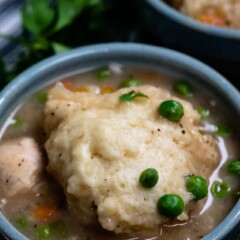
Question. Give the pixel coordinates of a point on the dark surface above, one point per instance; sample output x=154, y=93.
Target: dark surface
x=127, y=26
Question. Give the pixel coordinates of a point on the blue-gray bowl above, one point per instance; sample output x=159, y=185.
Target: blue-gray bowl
x=176, y=30
x=152, y=58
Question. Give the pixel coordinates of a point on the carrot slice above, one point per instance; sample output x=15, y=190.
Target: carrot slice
x=148, y=75
x=213, y=18
x=68, y=85
x=82, y=89
x=107, y=89
x=45, y=212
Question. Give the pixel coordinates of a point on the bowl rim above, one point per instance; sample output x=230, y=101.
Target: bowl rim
x=189, y=22
x=136, y=50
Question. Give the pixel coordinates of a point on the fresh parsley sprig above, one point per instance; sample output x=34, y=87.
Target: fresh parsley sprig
x=130, y=96
x=54, y=26
x=51, y=27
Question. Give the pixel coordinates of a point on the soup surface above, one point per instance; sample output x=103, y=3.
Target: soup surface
x=219, y=13
x=41, y=211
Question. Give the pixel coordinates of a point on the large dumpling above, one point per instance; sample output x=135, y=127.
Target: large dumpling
x=98, y=146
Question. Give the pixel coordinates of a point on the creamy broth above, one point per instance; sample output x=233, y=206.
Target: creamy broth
x=205, y=214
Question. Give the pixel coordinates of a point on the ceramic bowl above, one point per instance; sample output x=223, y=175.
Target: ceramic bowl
x=179, y=31
x=138, y=55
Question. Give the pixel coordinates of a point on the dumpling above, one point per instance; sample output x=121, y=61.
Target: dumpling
x=98, y=146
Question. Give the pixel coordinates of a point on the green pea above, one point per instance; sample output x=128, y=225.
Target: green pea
x=43, y=231
x=130, y=82
x=172, y=110
x=148, y=178
x=198, y=186
x=59, y=228
x=204, y=113
x=21, y=222
x=170, y=205
x=233, y=167
x=223, y=130
x=103, y=74
x=41, y=97
x=220, y=189
x=18, y=122
x=183, y=88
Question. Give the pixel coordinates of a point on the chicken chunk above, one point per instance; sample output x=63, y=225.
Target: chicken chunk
x=20, y=165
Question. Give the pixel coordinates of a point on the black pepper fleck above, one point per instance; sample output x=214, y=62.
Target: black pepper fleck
x=93, y=206
x=189, y=175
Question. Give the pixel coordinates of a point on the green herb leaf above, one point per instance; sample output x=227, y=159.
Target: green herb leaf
x=18, y=122
x=204, y=113
x=59, y=48
x=21, y=222
x=37, y=15
x=126, y=97
x=103, y=74
x=59, y=228
x=41, y=97
x=94, y=2
x=43, y=231
x=68, y=11
x=223, y=130
x=220, y=189
x=201, y=132
x=37, y=45
x=233, y=167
